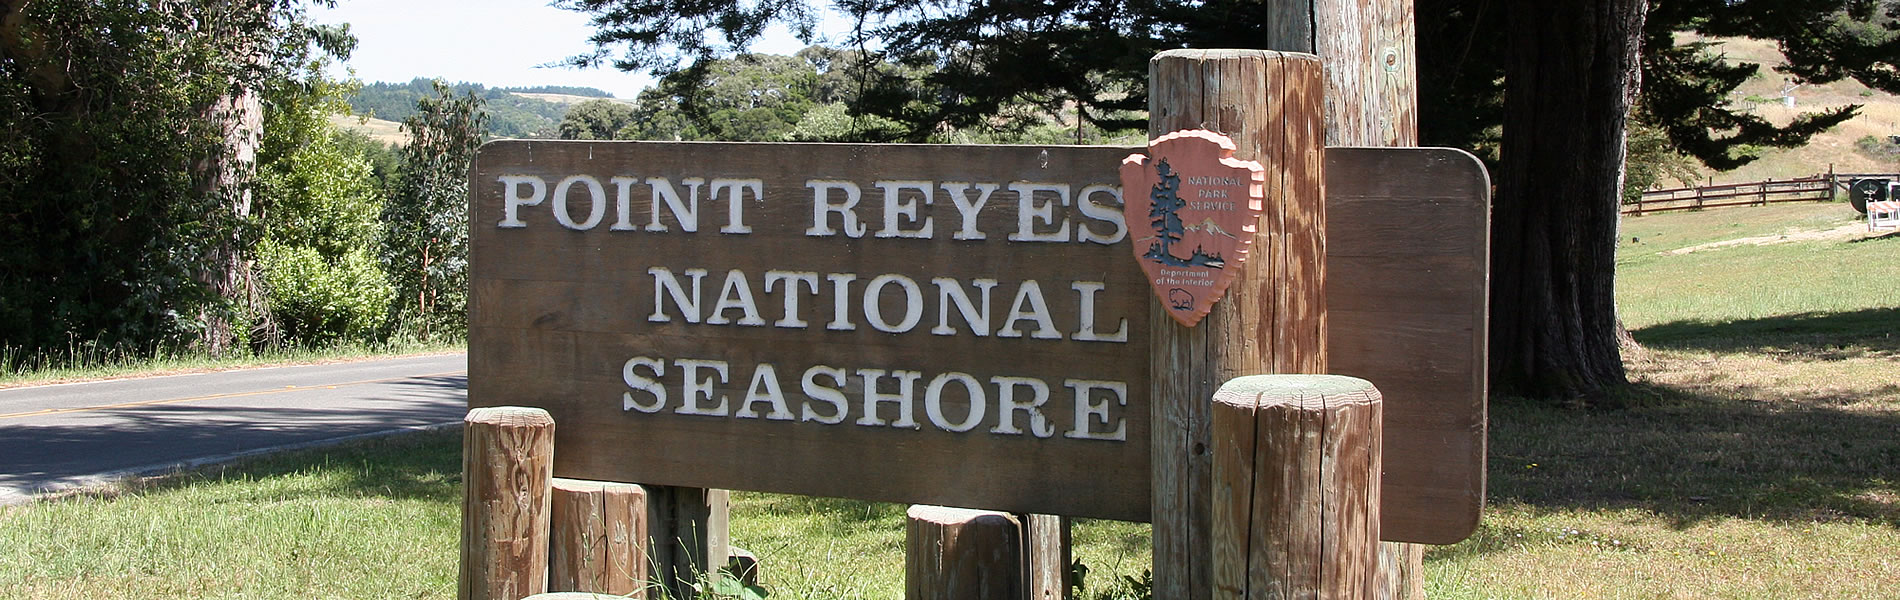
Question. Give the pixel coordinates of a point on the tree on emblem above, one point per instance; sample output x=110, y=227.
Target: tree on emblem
x=1164, y=206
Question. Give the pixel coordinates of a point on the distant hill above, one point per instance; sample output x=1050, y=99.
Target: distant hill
x=1763, y=95
x=560, y=90
x=569, y=99
x=509, y=114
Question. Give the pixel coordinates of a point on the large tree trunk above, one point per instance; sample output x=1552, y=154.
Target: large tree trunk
x=1569, y=81
x=240, y=116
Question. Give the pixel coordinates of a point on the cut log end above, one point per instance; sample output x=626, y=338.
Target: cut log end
x=1282, y=390
x=509, y=416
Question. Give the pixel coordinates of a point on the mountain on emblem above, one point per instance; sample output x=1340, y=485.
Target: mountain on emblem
x=1202, y=208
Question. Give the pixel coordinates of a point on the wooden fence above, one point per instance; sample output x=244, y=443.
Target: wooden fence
x=1818, y=188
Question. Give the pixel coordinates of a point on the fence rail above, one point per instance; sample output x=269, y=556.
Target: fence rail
x=1818, y=188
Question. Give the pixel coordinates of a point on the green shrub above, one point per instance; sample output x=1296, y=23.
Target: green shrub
x=316, y=301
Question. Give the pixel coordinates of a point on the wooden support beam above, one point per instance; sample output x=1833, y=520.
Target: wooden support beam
x=958, y=553
x=1296, y=487
x=1273, y=316
x=599, y=538
x=1046, y=548
x=688, y=535
x=507, y=464
x=1371, y=56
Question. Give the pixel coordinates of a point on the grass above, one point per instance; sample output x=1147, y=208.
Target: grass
x=85, y=362
x=1758, y=457
x=372, y=521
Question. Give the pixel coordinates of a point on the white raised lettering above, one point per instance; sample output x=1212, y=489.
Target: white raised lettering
x=1087, y=332
x=596, y=194
x=906, y=385
x=765, y=389
x=735, y=209
x=949, y=291
x=1030, y=305
x=736, y=293
x=512, y=200
x=1028, y=212
x=1111, y=214
x=1086, y=406
x=650, y=386
x=873, y=308
x=695, y=388
x=665, y=283
x=933, y=402
x=623, y=203
x=791, y=279
x=967, y=208
x=895, y=206
x=685, y=211
x=1007, y=406
x=828, y=395
x=840, y=301
x=821, y=206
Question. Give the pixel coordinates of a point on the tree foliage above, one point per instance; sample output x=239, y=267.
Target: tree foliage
x=105, y=128
x=967, y=64
x=318, y=214
x=595, y=120
x=425, y=239
x=508, y=114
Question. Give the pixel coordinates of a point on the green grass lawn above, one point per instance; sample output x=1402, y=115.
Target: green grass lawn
x=1758, y=457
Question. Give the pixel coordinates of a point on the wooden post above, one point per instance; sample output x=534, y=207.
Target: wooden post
x=1046, y=550
x=1296, y=487
x=599, y=538
x=1272, y=319
x=1832, y=182
x=1370, y=51
x=957, y=553
x=687, y=535
x=507, y=464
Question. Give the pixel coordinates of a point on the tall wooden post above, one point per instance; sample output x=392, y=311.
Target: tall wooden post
x=1370, y=51
x=1296, y=487
x=1273, y=316
x=507, y=467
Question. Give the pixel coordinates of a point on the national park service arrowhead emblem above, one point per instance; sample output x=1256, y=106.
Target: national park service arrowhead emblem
x=1193, y=226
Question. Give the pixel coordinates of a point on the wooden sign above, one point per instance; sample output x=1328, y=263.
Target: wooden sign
x=931, y=324
x=1194, y=209
x=1408, y=240
x=951, y=325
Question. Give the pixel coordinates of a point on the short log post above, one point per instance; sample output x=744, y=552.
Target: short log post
x=959, y=553
x=507, y=465
x=1273, y=316
x=688, y=535
x=599, y=541
x=1296, y=487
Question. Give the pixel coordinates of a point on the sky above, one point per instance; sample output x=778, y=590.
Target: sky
x=498, y=43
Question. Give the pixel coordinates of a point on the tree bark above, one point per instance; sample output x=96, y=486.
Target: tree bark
x=1569, y=82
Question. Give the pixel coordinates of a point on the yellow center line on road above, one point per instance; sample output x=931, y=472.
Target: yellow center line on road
x=292, y=388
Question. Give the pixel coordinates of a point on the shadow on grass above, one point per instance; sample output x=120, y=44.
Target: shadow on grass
x=1697, y=454
x=1811, y=336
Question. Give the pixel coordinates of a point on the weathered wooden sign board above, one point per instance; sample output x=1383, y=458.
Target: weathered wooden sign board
x=956, y=325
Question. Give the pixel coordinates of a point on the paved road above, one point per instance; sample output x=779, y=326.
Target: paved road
x=60, y=436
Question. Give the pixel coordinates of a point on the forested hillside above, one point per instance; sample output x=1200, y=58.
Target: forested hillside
x=509, y=114
x=564, y=90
